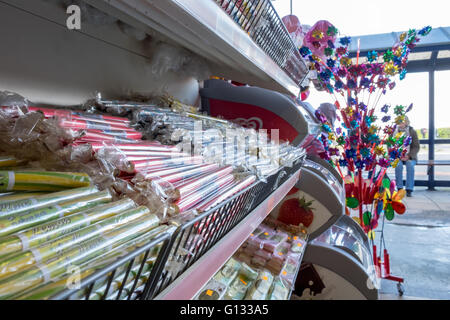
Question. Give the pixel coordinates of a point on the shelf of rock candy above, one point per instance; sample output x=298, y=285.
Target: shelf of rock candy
x=265, y=267
x=53, y=221
x=161, y=177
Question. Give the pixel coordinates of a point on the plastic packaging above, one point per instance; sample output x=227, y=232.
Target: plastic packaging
x=17, y=222
x=226, y=193
x=192, y=199
x=41, y=233
x=275, y=241
x=14, y=196
x=213, y=290
x=316, y=39
x=56, y=247
x=278, y=291
x=18, y=206
x=261, y=287
x=228, y=272
x=47, y=291
x=41, y=181
x=86, y=251
x=10, y=161
x=241, y=283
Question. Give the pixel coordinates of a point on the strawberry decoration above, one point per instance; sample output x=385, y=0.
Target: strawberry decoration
x=293, y=191
x=296, y=211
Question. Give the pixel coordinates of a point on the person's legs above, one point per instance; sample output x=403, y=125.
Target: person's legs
x=399, y=175
x=410, y=175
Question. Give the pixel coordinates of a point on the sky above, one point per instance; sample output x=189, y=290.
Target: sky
x=353, y=18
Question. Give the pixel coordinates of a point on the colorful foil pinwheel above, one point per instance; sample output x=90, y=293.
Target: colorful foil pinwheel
x=362, y=143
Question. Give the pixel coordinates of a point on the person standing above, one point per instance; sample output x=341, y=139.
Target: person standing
x=409, y=160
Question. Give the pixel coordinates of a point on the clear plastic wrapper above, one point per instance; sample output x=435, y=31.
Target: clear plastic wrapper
x=47, y=291
x=53, y=248
x=143, y=145
x=200, y=182
x=156, y=172
x=18, y=206
x=80, y=124
x=72, y=114
x=41, y=181
x=14, y=196
x=17, y=222
x=192, y=199
x=278, y=291
x=10, y=161
x=225, y=194
x=112, y=157
x=88, y=136
x=228, y=272
x=140, y=165
x=117, y=133
x=298, y=246
x=288, y=273
x=83, y=252
x=13, y=100
x=42, y=233
x=261, y=286
x=275, y=241
x=213, y=290
x=31, y=137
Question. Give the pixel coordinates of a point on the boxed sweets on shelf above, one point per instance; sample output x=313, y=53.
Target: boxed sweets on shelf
x=265, y=266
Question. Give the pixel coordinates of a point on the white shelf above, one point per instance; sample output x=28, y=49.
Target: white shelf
x=193, y=279
x=202, y=27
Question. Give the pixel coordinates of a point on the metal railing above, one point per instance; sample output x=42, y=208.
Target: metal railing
x=261, y=21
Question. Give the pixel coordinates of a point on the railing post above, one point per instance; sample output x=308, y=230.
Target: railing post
x=431, y=130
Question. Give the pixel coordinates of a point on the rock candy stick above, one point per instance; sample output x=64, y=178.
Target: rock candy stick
x=21, y=221
x=228, y=192
x=10, y=161
x=190, y=200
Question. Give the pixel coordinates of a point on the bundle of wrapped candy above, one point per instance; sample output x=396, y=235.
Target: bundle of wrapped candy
x=50, y=221
x=218, y=140
x=264, y=268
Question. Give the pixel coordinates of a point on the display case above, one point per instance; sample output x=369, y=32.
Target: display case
x=133, y=48
x=338, y=265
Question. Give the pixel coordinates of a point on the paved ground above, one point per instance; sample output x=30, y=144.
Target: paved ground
x=419, y=245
